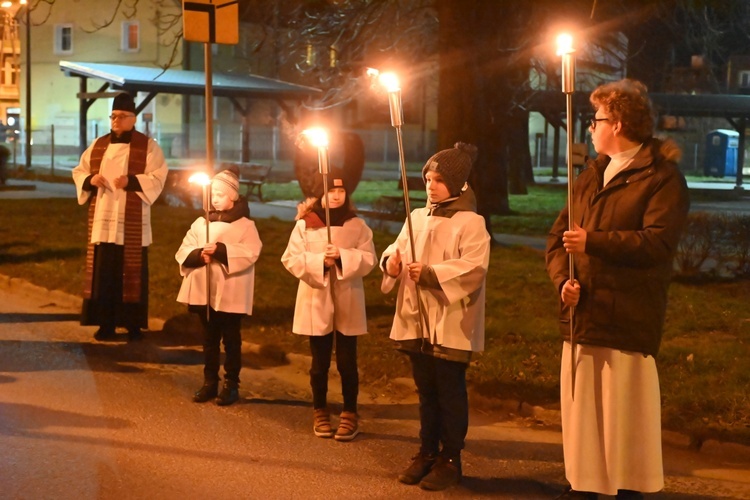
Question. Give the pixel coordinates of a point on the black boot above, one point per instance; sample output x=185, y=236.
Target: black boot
x=629, y=495
x=445, y=473
x=105, y=333
x=208, y=391
x=229, y=394
x=134, y=334
x=571, y=494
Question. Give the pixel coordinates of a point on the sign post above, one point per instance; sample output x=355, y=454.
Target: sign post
x=210, y=21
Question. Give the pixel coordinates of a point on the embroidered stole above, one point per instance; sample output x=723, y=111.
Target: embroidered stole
x=131, y=268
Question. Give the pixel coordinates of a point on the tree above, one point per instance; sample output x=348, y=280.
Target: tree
x=486, y=52
x=485, y=49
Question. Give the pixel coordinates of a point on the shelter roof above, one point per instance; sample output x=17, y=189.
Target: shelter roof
x=178, y=81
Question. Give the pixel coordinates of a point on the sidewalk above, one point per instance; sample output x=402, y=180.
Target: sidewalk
x=286, y=210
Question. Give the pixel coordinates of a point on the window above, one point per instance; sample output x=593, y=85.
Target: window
x=744, y=79
x=10, y=74
x=131, y=36
x=63, y=39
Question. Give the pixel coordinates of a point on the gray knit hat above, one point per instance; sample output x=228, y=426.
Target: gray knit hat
x=228, y=179
x=453, y=165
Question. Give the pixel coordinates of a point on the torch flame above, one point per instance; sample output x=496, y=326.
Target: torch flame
x=200, y=178
x=390, y=82
x=564, y=44
x=318, y=137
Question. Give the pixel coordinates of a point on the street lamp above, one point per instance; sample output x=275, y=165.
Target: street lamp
x=8, y=5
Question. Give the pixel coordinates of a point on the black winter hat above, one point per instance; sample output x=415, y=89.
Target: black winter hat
x=123, y=102
x=453, y=165
x=336, y=178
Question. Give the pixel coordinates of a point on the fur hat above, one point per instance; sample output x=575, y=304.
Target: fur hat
x=453, y=165
x=228, y=179
x=123, y=102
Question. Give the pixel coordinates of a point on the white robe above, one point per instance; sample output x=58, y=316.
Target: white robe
x=318, y=309
x=232, y=286
x=612, y=425
x=458, y=250
x=109, y=214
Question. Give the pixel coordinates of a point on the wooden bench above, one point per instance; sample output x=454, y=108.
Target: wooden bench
x=394, y=205
x=252, y=176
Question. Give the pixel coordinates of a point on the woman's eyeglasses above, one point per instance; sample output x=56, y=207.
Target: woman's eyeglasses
x=592, y=122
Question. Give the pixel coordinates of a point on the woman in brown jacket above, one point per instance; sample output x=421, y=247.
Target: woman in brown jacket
x=629, y=208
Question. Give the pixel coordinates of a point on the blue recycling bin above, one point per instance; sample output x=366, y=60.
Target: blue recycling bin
x=721, y=153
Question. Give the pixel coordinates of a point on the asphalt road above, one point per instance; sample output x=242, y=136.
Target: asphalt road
x=81, y=419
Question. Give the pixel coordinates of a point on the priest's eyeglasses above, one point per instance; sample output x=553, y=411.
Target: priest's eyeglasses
x=114, y=117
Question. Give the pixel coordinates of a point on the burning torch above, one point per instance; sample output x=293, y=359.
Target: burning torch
x=202, y=179
x=318, y=137
x=391, y=84
x=565, y=50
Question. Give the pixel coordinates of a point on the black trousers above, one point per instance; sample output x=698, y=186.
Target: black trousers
x=321, y=348
x=222, y=326
x=105, y=308
x=443, y=403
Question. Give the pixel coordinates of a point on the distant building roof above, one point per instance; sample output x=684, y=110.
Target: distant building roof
x=698, y=105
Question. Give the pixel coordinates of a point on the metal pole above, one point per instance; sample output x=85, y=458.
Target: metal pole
x=209, y=156
x=397, y=120
x=207, y=205
x=323, y=166
x=28, y=87
x=52, y=150
x=209, y=110
x=568, y=87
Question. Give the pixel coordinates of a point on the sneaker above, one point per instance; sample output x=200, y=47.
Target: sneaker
x=322, y=423
x=348, y=426
x=209, y=391
x=445, y=473
x=421, y=464
x=229, y=394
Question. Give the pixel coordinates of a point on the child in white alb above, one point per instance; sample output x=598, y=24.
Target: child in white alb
x=231, y=253
x=439, y=318
x=330, y=305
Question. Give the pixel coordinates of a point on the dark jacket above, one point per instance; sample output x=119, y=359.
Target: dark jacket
x=633, y=227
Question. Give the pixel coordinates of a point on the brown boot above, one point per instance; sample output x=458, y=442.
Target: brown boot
x=420, y=466
x=348, y=426
x=445, y=473
x=322, y=423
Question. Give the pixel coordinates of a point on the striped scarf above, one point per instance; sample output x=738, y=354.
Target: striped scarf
x=131, y=269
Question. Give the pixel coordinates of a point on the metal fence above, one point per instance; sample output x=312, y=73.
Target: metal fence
x=55, y=148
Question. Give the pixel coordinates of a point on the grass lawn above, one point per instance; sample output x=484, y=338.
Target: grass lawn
x=703, y=362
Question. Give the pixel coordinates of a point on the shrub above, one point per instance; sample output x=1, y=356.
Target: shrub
x=715, y=245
